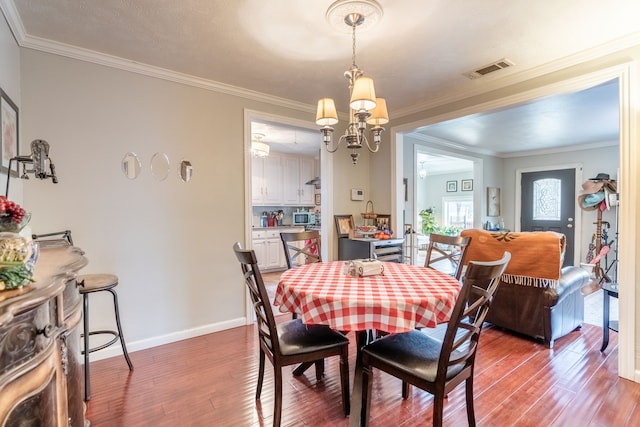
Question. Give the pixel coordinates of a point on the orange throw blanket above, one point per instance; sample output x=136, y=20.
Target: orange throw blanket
x=536, y=256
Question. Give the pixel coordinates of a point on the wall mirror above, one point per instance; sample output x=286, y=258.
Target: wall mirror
x=185, y=170
x=160, y=166
x=131, y=166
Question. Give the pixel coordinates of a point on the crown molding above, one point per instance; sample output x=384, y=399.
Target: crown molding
x=596, y=52
x=44, y=45
x=446, y=144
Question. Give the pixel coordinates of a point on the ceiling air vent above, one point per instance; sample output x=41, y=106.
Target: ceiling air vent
x=490, y=68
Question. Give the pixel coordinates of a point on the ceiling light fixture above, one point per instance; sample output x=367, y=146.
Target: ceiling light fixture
x=364, y=107
x=259, y=148
x=422, y=172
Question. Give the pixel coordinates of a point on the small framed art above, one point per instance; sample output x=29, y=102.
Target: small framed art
x=8, y=133
x=466, y=185
x=452, y=186
x=493, y=201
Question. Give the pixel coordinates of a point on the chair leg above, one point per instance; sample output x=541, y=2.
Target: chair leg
x=299, y=370
x=366, y=395
x=85, y=325
x=260, y=374
x=319, y=369
x=117, y=312
x=405, y=390
x=344, y=382
x=471, y=416
x=277, y=403
x=438, y=409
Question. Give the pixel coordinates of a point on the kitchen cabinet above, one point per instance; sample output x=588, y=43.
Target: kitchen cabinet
x=267, y=180
x=297, y=172
x=383, y=250
x=268, y=247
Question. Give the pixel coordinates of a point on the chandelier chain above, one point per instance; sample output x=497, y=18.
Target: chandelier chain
x=353, y=44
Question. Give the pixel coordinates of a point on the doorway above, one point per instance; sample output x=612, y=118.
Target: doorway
x=627, y=127
x=547, y=203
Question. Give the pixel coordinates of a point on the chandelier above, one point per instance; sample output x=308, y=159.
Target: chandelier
x=364, y=107
x=422, y=172
x=259, y=148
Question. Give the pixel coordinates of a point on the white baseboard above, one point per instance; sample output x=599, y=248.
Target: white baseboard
x=116, y=349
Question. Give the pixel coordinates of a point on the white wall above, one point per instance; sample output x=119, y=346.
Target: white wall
x=10, y=84
x=169, y=242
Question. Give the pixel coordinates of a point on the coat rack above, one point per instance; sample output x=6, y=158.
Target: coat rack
x=595, y=196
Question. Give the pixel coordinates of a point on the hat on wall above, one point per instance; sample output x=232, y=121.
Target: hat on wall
x=601, y=177
x=590, y=201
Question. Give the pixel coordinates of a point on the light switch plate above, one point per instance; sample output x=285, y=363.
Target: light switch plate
x=357, y=194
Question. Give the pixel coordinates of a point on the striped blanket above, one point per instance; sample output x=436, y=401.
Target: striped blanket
x=536, y=257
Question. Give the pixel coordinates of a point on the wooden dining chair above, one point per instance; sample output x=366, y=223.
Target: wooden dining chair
x=446, y=253
x=291, y=342
x=301, y=248
x=438, y=366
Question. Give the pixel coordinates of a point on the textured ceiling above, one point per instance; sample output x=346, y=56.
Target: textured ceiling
x=417, y=53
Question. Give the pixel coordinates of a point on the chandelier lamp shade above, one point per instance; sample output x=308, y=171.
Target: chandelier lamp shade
x=259, y=148
x=364, y=107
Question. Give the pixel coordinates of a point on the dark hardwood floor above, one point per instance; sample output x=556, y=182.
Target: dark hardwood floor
x=210, y=381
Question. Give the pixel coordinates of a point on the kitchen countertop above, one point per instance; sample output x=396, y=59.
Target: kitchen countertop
x=277, y=227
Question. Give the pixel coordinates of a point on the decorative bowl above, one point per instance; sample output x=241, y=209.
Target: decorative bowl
x=7, y=223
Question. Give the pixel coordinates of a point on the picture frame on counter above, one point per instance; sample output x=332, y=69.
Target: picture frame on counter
x=9, y=128
x=344, y=225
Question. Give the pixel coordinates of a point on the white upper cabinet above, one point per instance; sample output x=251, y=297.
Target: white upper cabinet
x=267, y=180
x=298, y=171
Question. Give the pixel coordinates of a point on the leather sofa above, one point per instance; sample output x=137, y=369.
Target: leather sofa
x=542, y=311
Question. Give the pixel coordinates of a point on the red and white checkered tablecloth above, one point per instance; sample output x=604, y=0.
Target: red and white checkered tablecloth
x=403, y=298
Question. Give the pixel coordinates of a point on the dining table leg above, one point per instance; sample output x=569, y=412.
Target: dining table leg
x=362, y=338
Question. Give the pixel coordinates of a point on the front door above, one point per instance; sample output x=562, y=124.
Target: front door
x=549, y=203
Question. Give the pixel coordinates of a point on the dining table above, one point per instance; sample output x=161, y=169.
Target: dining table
x=400, y=299
x=403, y=297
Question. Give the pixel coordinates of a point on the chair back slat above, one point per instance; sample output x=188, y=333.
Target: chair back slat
x=260, y=299
x=479, y=284
x=303, y=247
x=447, y=248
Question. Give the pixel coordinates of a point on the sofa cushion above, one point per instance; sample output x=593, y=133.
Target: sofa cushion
x=536, y=257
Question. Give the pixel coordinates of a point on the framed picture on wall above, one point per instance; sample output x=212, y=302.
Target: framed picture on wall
x=8, y=133
x=452, y=186
x=493, y=201
x=466, y=184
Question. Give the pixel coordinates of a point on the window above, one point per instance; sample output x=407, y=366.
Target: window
x=457, y=212
x=546, y=199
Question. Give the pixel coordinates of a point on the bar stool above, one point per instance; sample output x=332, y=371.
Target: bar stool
x=88, y=284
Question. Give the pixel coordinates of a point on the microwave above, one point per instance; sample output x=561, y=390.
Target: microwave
x=304, y=218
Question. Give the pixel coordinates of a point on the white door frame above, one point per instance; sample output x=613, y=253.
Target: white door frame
x=629, y=84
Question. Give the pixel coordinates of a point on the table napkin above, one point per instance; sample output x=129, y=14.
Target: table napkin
x=368, y=267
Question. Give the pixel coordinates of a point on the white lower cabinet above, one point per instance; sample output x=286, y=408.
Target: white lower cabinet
x=269, y=249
